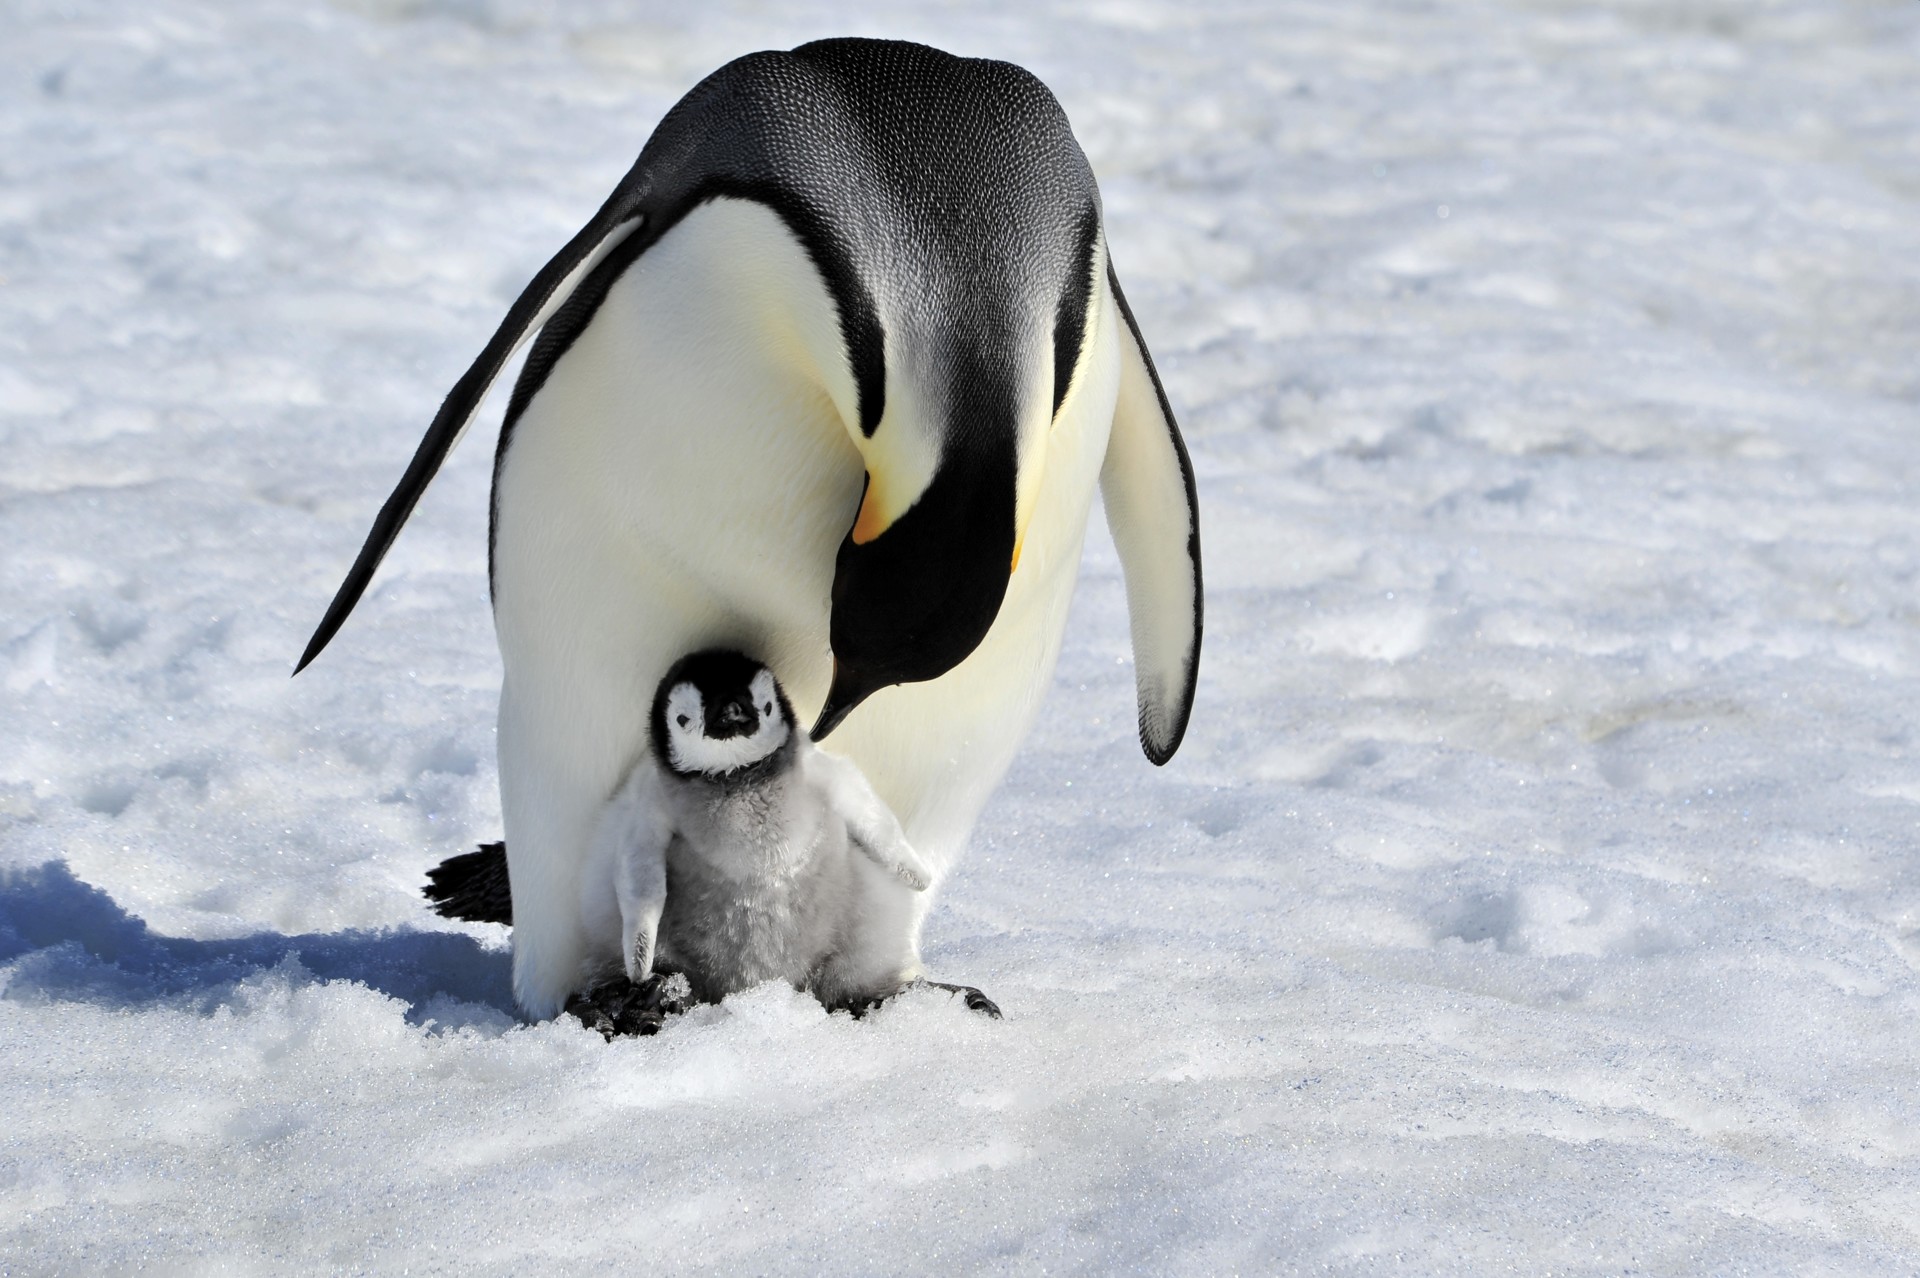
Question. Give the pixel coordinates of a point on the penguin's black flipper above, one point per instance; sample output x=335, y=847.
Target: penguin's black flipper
x=549, y=290
x=472, y=886
x=1153, y=511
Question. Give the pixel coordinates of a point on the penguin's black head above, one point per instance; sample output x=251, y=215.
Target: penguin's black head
x=717, y=712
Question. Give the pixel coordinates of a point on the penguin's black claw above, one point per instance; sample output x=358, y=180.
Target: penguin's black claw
x=976, y=1001
x=857, y=1008
x=620, y=1009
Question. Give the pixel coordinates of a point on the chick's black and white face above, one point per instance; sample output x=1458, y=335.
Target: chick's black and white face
x=717, y=728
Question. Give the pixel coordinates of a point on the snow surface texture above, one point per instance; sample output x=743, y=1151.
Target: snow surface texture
x=1536, y=889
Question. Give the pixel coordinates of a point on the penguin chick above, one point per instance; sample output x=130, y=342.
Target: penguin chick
x=739, y=853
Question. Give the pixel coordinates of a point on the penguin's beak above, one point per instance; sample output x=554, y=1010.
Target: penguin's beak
x=912, y=599
x=842, y=697
x=734, y=717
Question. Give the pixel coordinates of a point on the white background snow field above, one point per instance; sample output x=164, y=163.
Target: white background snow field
x=1538, y=888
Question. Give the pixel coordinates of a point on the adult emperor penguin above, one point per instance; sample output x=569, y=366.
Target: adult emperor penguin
x=829, y=379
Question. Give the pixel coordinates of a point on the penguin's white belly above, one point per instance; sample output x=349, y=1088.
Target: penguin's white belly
x=759, y=887
x=682, y=480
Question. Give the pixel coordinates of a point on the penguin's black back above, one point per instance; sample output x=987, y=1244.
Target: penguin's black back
x=957, y=177
x=954, y=183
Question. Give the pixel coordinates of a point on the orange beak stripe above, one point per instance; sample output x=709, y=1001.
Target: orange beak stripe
x=868, y=524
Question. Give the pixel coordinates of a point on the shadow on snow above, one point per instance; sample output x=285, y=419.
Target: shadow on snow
x=70, y=942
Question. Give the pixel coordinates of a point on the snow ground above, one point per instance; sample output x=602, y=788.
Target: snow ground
x=1537, y=888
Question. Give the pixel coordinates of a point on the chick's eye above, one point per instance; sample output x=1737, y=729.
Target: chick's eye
x=682, y=721
x=767, y=708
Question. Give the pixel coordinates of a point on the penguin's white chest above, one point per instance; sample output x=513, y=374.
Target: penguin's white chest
x=759, y=887
x=683, y=475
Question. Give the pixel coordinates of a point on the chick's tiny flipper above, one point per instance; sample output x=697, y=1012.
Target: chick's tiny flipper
x=871, y=825
x=626, y=868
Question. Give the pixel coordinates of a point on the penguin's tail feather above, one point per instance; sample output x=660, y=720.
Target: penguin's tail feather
x=472, y=886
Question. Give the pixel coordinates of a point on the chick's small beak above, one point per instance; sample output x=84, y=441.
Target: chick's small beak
x=732, y=718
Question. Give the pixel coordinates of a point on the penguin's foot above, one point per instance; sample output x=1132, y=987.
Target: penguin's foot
x=619, y=1008
x=976, y=1001
x=859, y=1007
